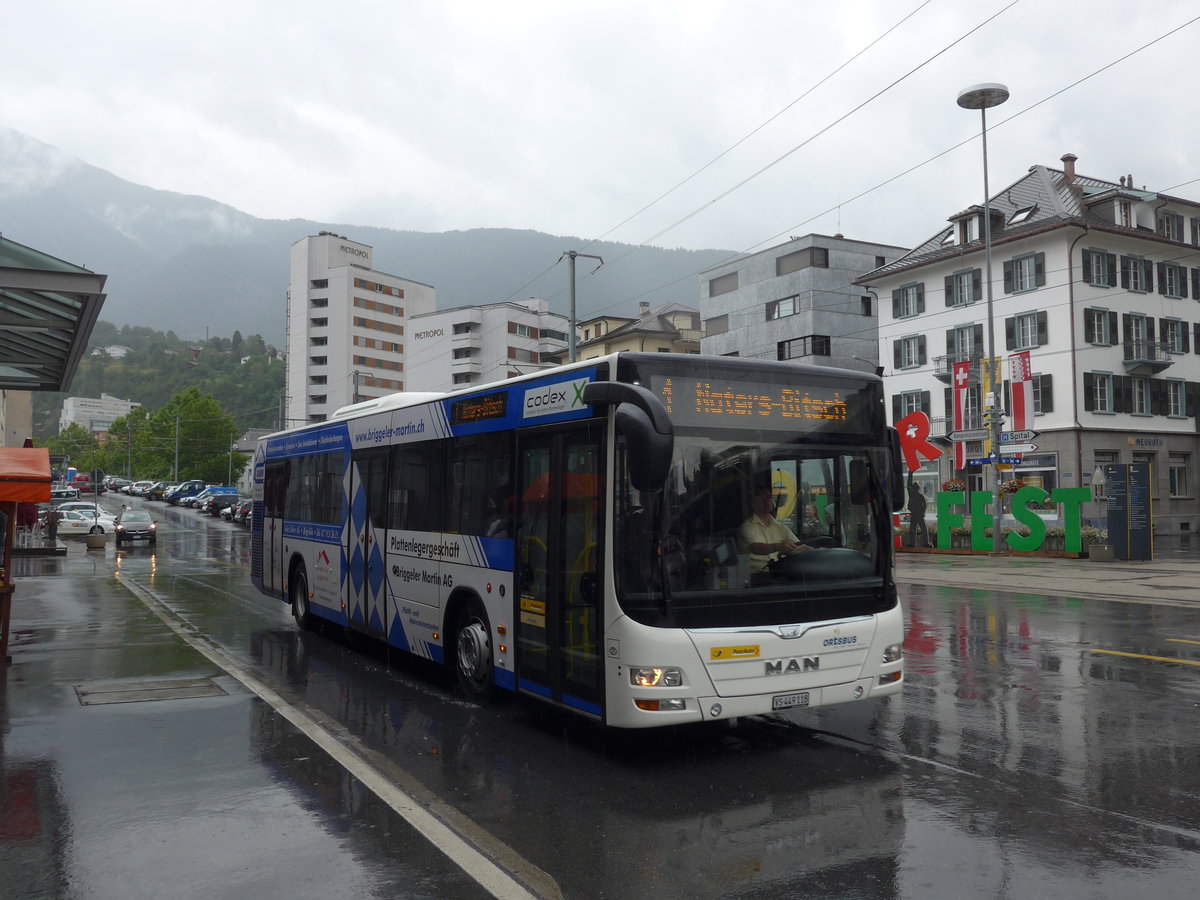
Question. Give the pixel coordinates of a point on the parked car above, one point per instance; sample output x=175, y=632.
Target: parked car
x=137, y=488
x=87, y=507
x=63, y=494
x=217, y=502
x=72, y=521
x=83, y=484
x=136, y=525
x=160, y=490
x=240, y=512
x=201, y=498
x=184, y=490
x=230, y=509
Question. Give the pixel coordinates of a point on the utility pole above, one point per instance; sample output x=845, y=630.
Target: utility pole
x=570, y=255
x=175, y=473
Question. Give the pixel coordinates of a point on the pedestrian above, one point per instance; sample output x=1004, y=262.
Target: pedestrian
x=52, y=518
x=916, y=516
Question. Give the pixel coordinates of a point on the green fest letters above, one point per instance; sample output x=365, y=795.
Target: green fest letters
x=1071, y=500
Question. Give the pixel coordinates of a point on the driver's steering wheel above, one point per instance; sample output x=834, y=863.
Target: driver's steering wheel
x=819, y=541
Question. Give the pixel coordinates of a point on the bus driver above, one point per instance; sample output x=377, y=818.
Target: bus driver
x=763, y=536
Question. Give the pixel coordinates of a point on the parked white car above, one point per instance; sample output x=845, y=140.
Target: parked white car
x=87, y=507
x=72, y=521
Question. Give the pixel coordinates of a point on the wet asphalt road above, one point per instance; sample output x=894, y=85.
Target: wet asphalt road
x=1042, y=747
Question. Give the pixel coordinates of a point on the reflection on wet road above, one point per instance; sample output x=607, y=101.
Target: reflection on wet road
x=1042, y=747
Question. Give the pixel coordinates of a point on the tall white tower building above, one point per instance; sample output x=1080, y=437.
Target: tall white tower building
x=346, y=327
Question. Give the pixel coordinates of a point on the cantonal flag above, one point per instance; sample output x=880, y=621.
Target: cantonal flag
x=961, y=375
x=1022, y=390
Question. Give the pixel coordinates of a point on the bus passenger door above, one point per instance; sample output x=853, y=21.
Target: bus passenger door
x=275, y=485
x=366, y=584
x=557, y=567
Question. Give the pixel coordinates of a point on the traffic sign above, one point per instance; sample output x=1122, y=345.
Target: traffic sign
x=1017, y=437
x=1018, y=448
x=987, y=460
x=975, y=434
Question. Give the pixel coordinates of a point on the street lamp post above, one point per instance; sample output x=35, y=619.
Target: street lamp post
x=983, y=97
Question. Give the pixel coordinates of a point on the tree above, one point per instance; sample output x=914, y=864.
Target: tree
x=76, y=445
x=193, y=429
x=125, y=447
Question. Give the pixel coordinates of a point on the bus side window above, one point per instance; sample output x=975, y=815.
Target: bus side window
x=479, y=501
x=416, y=500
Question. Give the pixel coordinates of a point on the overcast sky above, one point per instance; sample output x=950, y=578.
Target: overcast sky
x=570, y=118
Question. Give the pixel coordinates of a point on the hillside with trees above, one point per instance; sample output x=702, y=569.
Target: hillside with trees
x=244, y=376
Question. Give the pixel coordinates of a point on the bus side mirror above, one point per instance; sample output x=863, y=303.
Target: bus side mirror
x=895, y=487
x=643, y=421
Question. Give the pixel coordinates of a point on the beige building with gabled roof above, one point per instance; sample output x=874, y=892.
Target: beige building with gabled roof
x=670, y=328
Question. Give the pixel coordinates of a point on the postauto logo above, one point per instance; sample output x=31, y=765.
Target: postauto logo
x=566, y=396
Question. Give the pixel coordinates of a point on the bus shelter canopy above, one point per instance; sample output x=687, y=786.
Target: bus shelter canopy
x=48, y=308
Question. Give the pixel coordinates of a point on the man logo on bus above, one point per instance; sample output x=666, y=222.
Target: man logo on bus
x=794, y=666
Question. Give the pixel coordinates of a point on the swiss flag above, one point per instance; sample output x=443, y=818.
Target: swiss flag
x=961, y=373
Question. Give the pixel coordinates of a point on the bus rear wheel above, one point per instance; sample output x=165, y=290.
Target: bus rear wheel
x=473, y=654
x=299, y=589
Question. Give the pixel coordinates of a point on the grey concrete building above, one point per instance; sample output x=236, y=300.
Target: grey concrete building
x=796, y=301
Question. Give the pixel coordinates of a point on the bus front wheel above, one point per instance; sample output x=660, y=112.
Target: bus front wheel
x=299, y=590
x=473, y=654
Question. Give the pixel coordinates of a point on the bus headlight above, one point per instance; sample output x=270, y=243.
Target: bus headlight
x=893, y=653
x=653, y=676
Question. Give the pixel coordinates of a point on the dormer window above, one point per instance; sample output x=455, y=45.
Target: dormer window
x=1021, y=215
x=1124, y=213
x=968, y=230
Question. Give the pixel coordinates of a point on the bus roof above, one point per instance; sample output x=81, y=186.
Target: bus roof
x=402, y=399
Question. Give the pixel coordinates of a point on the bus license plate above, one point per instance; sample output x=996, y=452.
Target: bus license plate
x=787, y=701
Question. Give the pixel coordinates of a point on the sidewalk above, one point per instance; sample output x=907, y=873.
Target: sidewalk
x=131, y=766
x=1168, y=579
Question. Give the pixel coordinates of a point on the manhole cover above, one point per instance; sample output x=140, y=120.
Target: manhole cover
x=99, y=692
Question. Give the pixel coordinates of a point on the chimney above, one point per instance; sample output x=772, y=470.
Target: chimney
x=644, y=308
x=1068, y=161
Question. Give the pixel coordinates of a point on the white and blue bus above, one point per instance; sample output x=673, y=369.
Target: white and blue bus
x=582, y=535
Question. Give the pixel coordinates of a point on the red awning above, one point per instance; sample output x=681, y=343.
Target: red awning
x=24, y=475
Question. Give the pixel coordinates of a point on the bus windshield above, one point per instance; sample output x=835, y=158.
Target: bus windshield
x=753, y=530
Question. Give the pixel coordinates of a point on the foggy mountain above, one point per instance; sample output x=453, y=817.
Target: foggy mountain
x=196, y=266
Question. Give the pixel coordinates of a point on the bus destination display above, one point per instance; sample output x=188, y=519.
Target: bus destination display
x=479, y=409
x=699, y=401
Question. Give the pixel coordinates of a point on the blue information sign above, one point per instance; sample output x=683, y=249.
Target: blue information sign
x=1127, y=490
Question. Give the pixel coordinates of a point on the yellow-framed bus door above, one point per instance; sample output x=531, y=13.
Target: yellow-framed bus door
x=557, y=578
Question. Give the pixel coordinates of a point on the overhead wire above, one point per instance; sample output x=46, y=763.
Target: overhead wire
x=923, y=163
x=759, y=127
x=729, y=149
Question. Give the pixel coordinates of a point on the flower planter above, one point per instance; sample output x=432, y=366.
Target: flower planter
x=1100, y=552
x=95, y=541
